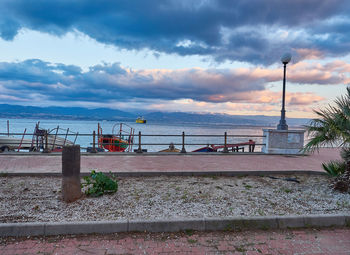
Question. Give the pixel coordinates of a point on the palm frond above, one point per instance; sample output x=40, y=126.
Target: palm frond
x=332, y=125
x=345, y=154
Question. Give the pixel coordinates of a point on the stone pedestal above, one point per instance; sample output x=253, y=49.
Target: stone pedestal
x=283, y=141
x=71, y=189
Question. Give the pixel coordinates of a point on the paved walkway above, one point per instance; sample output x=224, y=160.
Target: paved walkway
x=169, y=163
x=302, y=241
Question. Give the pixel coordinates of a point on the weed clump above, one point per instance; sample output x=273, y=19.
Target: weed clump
x=97, y=184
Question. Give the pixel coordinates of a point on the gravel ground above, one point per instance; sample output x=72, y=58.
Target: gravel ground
x=29, y=199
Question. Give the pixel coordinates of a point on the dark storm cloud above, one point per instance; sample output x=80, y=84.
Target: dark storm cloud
x=224, y=30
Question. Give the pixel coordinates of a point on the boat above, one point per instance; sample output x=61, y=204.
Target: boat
x=53, y=143
x=119, y=141
x=230, y=147
x=171, y=149
x=9, y=143
x=205, y=149
x=141, y=120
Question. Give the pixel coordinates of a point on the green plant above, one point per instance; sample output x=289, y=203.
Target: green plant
x=247, y=186
x=3, y=174
x=332, y=128
x=241, y=249
x=345, y=154
x=189, y=232
x=287, y=191
x=192, y=241
x=98, y=183
x=334, y=167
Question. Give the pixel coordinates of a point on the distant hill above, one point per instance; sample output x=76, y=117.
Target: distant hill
x=253, y=120
x=80, y=113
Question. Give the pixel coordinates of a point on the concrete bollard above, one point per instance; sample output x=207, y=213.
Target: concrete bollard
x=225, y=144
x=71, y=189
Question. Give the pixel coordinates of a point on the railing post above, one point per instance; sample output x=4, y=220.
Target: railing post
x=225, y=148
x=183, y=150
x=46, y=149
x=94, y=142
x=139, y=150
x=251, y=145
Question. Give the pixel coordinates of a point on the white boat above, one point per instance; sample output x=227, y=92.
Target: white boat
x=48, y=139
x=8, y=143
x=57, y=141
x=54, y=141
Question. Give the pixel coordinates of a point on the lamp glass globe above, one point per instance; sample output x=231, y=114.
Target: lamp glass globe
x=286, y=58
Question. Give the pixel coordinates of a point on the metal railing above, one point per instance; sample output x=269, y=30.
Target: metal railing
x=91, y=142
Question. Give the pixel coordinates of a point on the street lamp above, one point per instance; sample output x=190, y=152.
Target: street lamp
x=285, y=60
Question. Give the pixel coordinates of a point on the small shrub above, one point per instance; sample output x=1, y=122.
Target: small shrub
x=345, y=154
x=3, y=174
x=247, y=186
x=241, y=249
x=191, y=241
x=189, y=232
x=334, y=168
x=98, y=184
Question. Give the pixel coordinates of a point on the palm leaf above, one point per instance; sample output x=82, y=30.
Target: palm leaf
x=332, y=125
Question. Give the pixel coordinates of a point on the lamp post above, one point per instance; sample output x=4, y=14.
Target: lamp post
x=283, y=125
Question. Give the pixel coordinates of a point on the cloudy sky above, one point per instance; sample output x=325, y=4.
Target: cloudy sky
x=175, y=55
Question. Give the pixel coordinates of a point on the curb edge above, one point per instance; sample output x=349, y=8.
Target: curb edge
x=173, y=225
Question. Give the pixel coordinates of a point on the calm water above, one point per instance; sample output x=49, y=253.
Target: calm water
x=87, y=127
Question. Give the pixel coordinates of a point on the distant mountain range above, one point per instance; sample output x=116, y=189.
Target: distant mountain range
x=79, y=113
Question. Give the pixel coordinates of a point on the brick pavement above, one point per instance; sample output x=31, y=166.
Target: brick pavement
x=297, y=241
x=41, y=163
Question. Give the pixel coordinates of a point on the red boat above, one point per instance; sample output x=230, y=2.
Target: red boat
x=119, y=141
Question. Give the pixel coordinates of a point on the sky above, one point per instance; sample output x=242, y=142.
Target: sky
x=175, y=55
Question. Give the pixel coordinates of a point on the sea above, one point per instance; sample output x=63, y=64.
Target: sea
x=154, y=136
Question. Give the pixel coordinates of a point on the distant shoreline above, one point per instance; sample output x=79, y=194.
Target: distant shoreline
x=101, y=114
x=175, y=123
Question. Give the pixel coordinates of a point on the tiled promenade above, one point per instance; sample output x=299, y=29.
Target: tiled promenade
x=41, y=163
x=298, y=241
x=286, y=242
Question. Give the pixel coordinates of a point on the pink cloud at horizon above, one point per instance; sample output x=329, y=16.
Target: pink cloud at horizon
x=204, y=87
